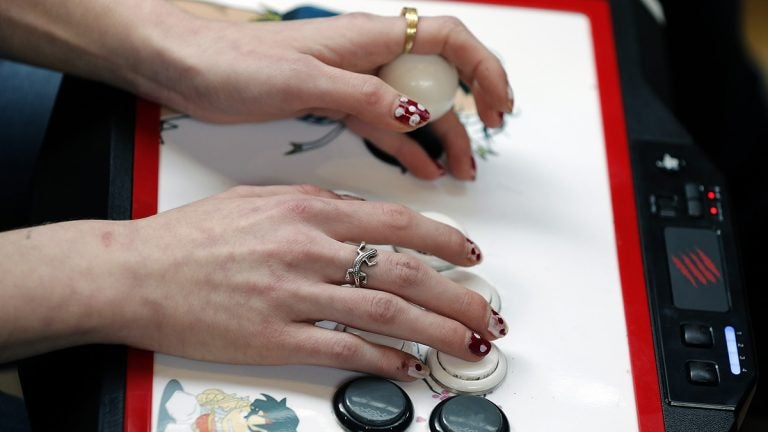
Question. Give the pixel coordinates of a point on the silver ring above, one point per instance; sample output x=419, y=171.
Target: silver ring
x=356, y=272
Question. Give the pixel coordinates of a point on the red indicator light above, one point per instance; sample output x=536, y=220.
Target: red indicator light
x=713, y=210
x=711, y=195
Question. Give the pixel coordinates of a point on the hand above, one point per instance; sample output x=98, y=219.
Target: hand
x=229, y=72
x=262, y=71
x=242, y=277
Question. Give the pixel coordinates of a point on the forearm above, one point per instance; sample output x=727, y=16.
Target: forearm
x=61, y=286
x=128, y=44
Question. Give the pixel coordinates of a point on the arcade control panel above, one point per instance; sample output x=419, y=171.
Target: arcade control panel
x=705, y=353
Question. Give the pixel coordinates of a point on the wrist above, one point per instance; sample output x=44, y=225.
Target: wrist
x=63, y=285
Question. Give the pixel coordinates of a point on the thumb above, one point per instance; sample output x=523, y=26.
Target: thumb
x=370, y=99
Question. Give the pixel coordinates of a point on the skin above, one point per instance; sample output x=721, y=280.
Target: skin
x=268, y=261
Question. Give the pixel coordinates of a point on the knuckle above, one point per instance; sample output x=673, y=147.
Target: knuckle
x=310, y=189
x=346, y=348
x=383, y=309
x=397, y=216
x=407, y=271
x=301, y=207
x=470, y=303
x=453, y=24
x=370, y=91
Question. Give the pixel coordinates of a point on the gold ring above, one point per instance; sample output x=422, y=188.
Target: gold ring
x=411, y=22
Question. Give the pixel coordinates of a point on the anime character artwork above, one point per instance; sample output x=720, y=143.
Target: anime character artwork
x=214, y=410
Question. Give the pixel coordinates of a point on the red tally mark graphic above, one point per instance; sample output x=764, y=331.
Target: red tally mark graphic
x=696, y=266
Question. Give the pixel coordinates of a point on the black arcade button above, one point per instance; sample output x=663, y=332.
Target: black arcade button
x=372, y=404
x=468, y=414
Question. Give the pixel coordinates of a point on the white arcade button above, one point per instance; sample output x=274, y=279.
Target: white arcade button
x=477, y=284
x=465, y=377
x=436, y=263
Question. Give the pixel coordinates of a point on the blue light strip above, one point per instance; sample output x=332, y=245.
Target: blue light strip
x=733, y=351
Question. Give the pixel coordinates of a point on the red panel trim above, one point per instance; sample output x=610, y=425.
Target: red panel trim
x=633, y=284
x=637, y=315
x=146, y=165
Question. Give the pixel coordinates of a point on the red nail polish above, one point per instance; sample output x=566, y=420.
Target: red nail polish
x=473, y=252
x=479, y=346
x=410, y=112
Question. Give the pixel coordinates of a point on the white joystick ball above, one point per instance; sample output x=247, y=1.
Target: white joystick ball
x=427, y=79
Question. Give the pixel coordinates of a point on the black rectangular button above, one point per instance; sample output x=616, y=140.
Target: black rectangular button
x=693, y=191
x=703, y=373
x=695, y=209
x=697, y=335
x=664, y=205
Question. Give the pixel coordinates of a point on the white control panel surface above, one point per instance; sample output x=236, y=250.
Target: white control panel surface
x=540, y=209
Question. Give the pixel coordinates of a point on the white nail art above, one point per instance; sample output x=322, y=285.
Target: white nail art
x=497, y=325
x=417, y=369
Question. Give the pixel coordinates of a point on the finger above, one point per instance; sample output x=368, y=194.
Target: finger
x=384, y=313
x=408, y=278
x=449, y=37
x=366, y=97
x=245, y=191
x=353, y=309
x=317, y=346
x=395, y=224
x=451, y=132
x=400, y=146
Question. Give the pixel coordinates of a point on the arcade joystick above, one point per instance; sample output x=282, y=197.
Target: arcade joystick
x=428, y=79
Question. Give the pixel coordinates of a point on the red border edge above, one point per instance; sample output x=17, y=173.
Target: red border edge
x=146, y=167
x=633, y=284
x=138, y=397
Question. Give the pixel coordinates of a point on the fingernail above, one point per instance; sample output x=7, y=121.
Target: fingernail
x=417, y=369
x=410, y=112
x=510, y=99
x=479, y=346
x=473, y=252
x=497, y=325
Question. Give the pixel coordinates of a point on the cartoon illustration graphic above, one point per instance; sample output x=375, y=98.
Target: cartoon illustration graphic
x=213, y=410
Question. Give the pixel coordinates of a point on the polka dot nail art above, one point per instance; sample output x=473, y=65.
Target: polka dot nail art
x=417, y=369
x=497, y=325
x=479, y=346
x=411, y=112
x=473, y=252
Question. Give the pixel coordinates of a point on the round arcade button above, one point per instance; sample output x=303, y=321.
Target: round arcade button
x=466, y=377
x=438, y=264
x=477, y=284
x=372, y=404
x=468, y=414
